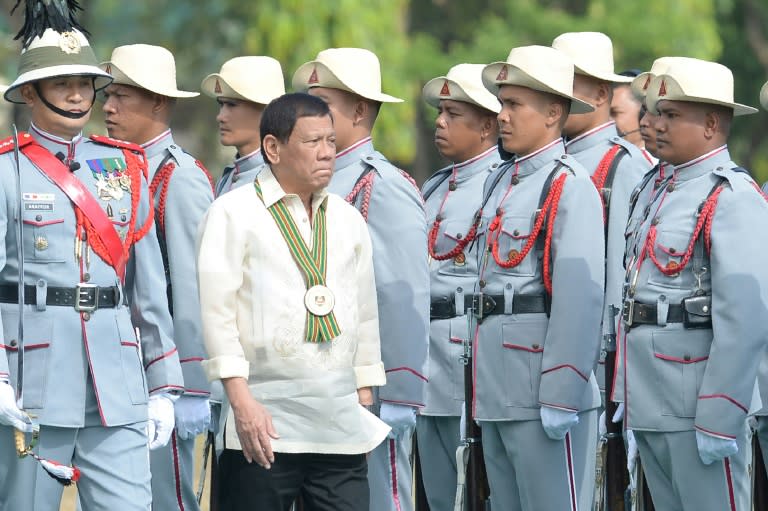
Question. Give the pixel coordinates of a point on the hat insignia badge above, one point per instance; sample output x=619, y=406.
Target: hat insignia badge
x=663, y=89
x=647, y=82
x=445, y=91
x=217, y=87
x=502, y=74
x=68, y=43
x=313, y=77
x=108, y=70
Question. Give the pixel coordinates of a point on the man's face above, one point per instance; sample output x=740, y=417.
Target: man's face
x=647, y=131
x=522, y=120
x=679, y=131
x=458, y=130
x=305, y=160
x=625, y=110
x=342, y=105
x=73, y=94
x=239, y=124
x=129, y=113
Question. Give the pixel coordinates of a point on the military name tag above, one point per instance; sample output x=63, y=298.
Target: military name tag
x=319, y=300
x=38, y=201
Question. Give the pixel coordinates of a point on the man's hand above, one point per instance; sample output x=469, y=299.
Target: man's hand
x=10, y=415
x=161, y=420
x=365, y=396
x=253, y=423
x=193, y=416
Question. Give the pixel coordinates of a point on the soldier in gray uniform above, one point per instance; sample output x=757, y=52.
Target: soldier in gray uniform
x=92, y=268
x=243, y=87
x=349, y=80
x=696, y=281
x=762, y=415
x=138, y=108
x=616, y=165
x=539, y=296
x=466, y=132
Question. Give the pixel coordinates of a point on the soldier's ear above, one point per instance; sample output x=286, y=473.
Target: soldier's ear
x=28, y=94
x=272, y=148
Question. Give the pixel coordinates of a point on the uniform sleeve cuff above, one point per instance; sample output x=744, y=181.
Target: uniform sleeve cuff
x=370, y=376
x=226, y=367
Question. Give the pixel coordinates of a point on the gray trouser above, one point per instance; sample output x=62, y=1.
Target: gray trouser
x=679, y=481
x=438, y=439
x=527, y=471
x=113, y=463
x=173, y=475
x=390, y=474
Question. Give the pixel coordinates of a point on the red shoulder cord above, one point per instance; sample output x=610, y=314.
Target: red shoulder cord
x=161, y=181
x=134, y=169
x=364, y=185
x=435, y=230
x=601, y=174
x=548, y=211
x=703, y=223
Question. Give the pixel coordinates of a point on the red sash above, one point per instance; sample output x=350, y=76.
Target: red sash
x=83, y=199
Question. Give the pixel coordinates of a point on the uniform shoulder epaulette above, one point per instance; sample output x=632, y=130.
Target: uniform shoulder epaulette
x=735, y=176
x=6, y=145
x=182, y=157
x=381, y=164
x=628, y=146
x=113, y=142
x=571, y=164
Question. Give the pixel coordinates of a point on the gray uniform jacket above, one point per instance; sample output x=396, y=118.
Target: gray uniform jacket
x=243, y=171
x=395, y=216
x=526, y=360
x=180, y=203
x=675, y=379
x=589, y=149
x=454, y=278
x=68, y=356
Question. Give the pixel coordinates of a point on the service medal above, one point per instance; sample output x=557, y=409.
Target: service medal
x=319, y=300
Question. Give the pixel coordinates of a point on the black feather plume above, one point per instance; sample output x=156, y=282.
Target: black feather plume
x=40, y=15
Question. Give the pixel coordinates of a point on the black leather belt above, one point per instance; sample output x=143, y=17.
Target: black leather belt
x=83, y=297
x=636, y=313
x=444, y=307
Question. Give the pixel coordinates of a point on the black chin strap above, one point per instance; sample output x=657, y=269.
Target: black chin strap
x=64, y=113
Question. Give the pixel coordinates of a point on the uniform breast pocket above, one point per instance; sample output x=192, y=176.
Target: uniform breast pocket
x=130, y=358
x=522, y=345
x=669, y=249
x=37, y=353
x=680, y=359
x=454, y=233
x=44, y=237
x=515, y=232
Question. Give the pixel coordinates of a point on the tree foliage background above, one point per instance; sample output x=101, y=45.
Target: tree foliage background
x=417, y=40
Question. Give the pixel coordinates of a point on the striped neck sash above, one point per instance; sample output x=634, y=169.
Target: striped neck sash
x=311, y=263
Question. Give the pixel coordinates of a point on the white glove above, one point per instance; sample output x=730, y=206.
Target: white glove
x=10, y=415
x=160, y=423
x=557, y=422
x=400, y=418
x=618, y=416
x=193, y=416
x=632, y=454
x=712, y=448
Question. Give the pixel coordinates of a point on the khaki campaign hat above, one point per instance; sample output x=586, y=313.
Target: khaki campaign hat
x=696, y=81
x=145, y=66
x=353, y=70
x=764, y=96
x=257, y=79
x=642, y=81
x=464, y=82
x=540, y=68
x=592, y=55
x=54, y=54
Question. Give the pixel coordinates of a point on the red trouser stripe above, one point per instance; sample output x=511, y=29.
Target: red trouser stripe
x=393, y=471
x=729, y=482
x=571, y=477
